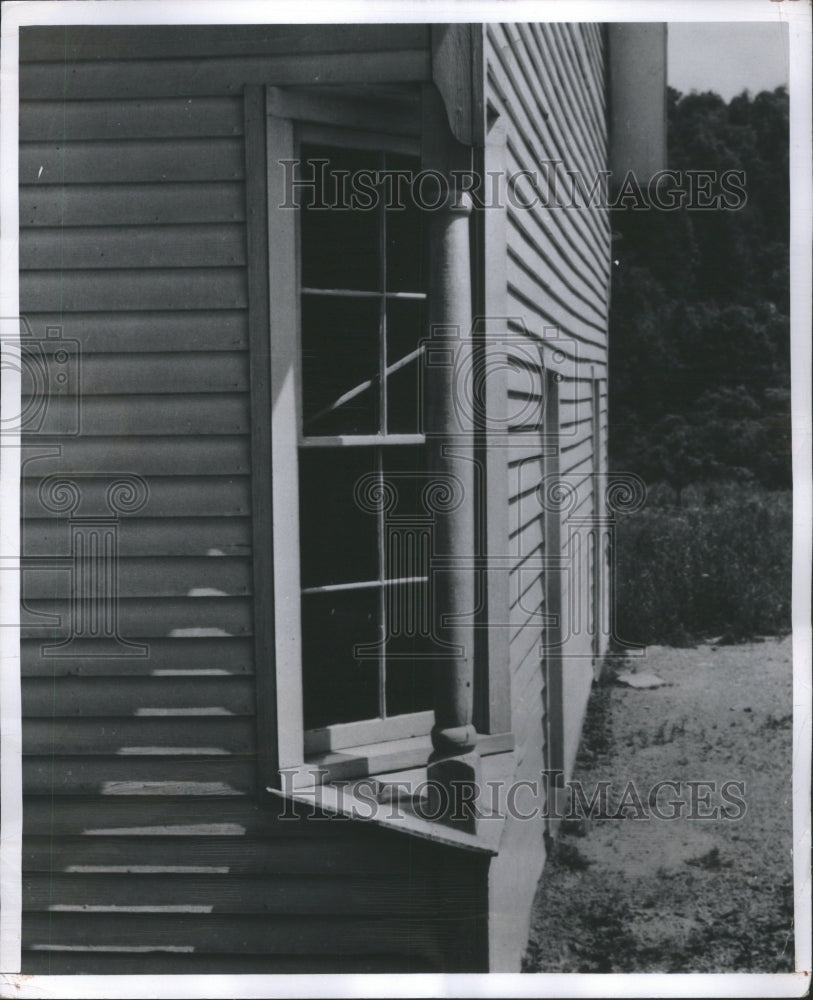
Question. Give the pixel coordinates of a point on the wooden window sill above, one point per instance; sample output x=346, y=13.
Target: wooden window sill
x=393, y=800
x=391, y=755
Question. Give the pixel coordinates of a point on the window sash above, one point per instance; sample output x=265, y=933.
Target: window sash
x=283, y=139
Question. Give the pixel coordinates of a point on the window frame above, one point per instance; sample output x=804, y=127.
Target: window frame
x=272, y=117
x=288, y=124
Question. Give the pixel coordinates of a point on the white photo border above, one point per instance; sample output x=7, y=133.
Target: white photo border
x=797, y=14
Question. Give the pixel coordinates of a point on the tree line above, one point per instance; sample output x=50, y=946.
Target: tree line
x=699, y=325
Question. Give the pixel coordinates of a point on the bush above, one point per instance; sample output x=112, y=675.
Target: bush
x=718, y=564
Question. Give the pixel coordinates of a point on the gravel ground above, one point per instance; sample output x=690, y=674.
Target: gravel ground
x=642, y=894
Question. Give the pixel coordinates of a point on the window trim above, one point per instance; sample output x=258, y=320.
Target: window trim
x=296, y=745
x=283, y=285
x=366, y=732
x=274, y=118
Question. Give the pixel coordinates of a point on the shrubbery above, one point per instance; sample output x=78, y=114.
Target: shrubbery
x=717, y=565
x=700, y=387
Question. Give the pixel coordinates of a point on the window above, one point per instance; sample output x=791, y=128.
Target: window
x=361, y=452
x=347, y=295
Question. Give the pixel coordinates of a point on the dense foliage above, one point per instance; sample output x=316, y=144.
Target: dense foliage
x=699, y=328
x=700, y=387
x=718, y=566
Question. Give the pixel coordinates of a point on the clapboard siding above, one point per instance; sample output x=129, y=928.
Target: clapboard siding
x=133, y=247
x=166, y=415
x=243, y=933
x=135, y=773
x=155, y=576
x=205, y=655
x=138, y=696
x=145, y=455
x=164, y=118
x=145, y=617
x=203, y=77
x=547, y=83
x=73, y=961
x=116, y=735
x=276, y=894
x=524, y=281
x=571, y=288
x=575, y=353
x=184, y=536
x=87, y=42
x=210, y=878
x=114, y=161
x=543, y=134
x=207, y=495
x=145, y=848
x=109, y=290
x=333, y=853
x=124, y=332
x=173, y=372
x=111, y=247
x=131, y=204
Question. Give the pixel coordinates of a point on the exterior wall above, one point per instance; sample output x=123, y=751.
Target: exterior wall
x=137, y=884
x=141, y=829
x=141, y=826
x=547, y=83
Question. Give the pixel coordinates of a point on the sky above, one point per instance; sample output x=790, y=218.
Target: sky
x=727, y=57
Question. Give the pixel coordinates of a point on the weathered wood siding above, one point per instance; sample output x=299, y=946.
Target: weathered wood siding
x=547, y=83
x=144, y=846
x=144, y=843
x=134, y=884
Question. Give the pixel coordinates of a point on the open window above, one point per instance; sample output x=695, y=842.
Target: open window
x=345, y=596
x=347, y=285
x=361, y=453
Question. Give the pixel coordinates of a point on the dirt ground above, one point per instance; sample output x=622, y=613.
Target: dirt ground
x=637, y=894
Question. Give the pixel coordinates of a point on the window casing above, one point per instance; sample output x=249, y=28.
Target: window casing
x=352, y=599
x=361, y=449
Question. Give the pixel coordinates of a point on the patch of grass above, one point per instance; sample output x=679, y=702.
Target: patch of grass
x=719, y=563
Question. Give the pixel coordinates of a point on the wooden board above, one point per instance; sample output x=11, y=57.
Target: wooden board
x=147, y=618
x=297, y=895
x=117, y=162
x=201, y=657
x=184, y=535
x=113, y=42
x=220, y=735
x=147, y=373
x=166, y=118
x=123, y=332
x=142, y=455
x=92, y=291
x=145, y=246
x=133, y=774
x=171, y=414
x=154, y=576
x=147, y=697
x=130, y=204
x=218, y=76
x=344, y=847
x=185, y=497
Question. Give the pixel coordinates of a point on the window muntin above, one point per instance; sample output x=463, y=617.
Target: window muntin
x=364, y=591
